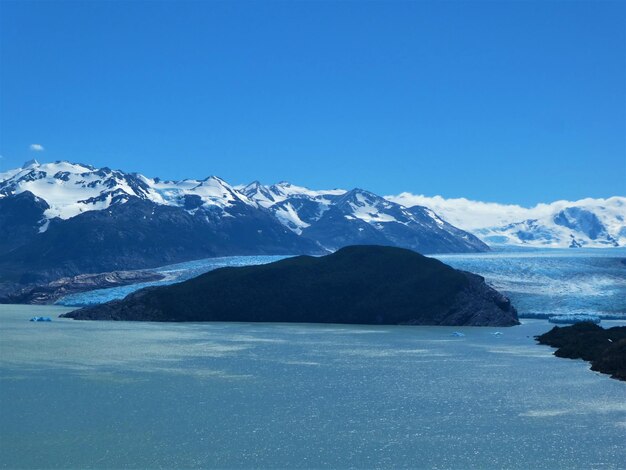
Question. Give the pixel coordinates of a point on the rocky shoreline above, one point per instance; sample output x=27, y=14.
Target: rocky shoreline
x=605, y=349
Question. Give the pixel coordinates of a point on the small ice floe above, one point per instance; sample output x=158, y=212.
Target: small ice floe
x=457, y=334
x=41, y=319
x=571, y=319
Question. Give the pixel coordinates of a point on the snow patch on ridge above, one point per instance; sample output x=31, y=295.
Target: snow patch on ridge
x=290, y=218
x=368, y=211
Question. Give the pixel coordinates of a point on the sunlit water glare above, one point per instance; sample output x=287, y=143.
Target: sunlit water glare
x=146, y=395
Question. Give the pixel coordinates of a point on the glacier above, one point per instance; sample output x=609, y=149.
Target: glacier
x=546, y=282
x=178, y=272
x=540, y=283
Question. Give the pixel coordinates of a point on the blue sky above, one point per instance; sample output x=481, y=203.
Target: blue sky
x=514, y=102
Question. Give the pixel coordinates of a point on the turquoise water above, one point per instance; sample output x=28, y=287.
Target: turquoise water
x=553, y=282
x=144, y=395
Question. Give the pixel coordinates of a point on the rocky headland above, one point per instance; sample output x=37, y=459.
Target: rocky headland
x=355, y=285
x=604, y=348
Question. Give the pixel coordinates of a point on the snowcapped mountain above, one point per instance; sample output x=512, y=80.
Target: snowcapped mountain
x=337, y=218
x=325, y=219
x=71, y=189
x=572, y=227
x=588, y=222
x=361, y=217
x=73, y=219
x=62, y=219
x=295, y=207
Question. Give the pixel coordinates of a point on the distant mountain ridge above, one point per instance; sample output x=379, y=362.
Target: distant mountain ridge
x=336, y=218
x=328, y=218
x=572, y=227
x=593, y=223
x=74, y=219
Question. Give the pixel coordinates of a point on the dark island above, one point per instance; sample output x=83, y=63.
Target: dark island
x=356, y=285
x=604, y=348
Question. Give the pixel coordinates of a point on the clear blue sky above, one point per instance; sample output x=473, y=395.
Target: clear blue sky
x=516, y=102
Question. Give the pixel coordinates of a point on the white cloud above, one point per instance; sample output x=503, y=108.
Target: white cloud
x=36, y=147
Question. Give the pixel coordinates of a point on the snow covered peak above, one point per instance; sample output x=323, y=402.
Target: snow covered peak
x=73, y=188
x=212, y=191
x=373, y=209
x=255, y=185
x=266, y=196
x=285, y=189
x=362, y=196
x=260, y=194
x=586, y=222
x=298, y=208
x=217, y=191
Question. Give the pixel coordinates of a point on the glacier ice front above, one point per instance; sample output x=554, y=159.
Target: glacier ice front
x=551, y=282
x=571, y=319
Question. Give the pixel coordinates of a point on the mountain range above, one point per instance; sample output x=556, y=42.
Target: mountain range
x=64, y=219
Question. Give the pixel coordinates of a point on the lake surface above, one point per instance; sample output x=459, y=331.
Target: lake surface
x=553, y=282
x=128, y=395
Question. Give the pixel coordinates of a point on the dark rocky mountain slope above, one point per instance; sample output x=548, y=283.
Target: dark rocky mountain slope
x=137, y=234
x=64, y=219
x=21, y=218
